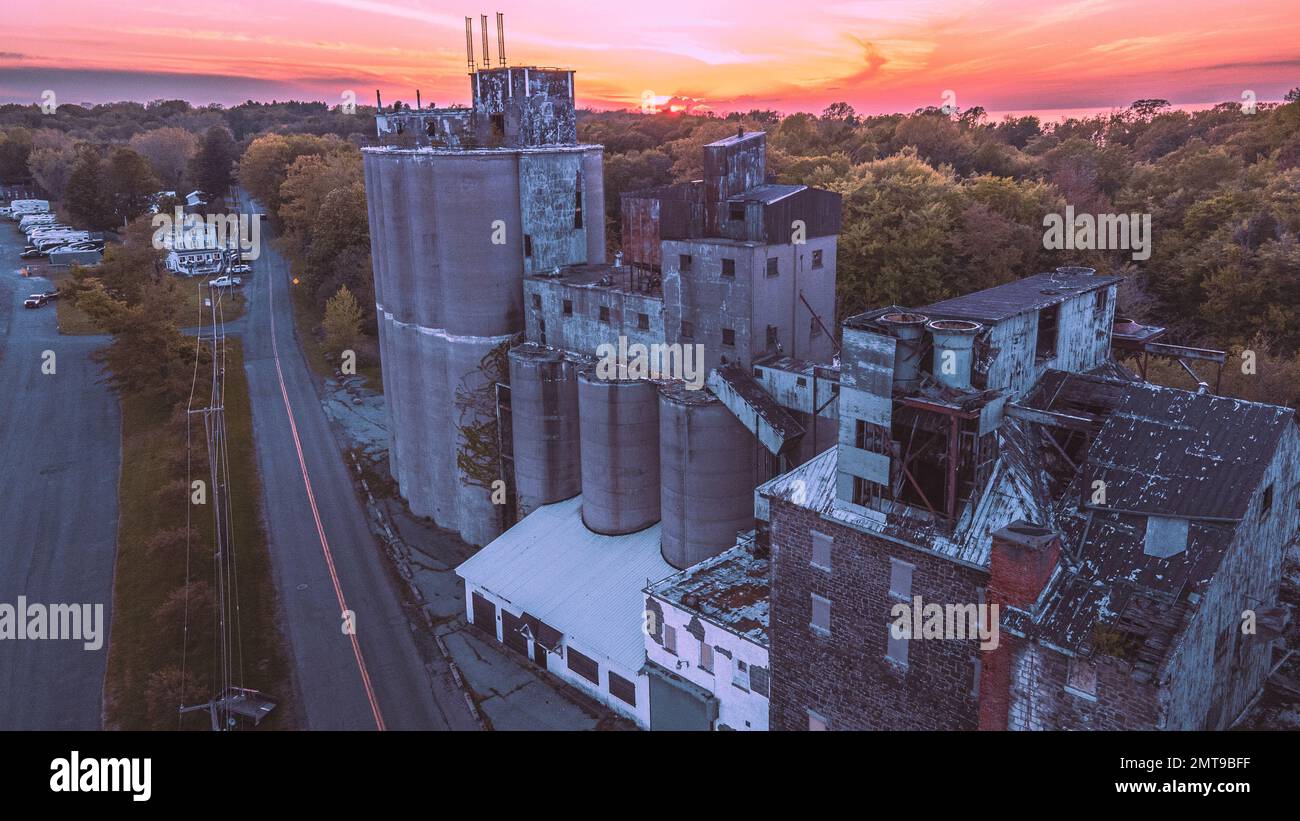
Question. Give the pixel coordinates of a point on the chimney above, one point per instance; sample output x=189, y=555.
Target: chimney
x=1023, y=558
x=954, y=342
x=908, y=331
x=469, y=43
x=501, y=38
x=487, y=54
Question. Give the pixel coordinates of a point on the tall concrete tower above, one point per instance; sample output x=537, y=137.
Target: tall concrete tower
x=463, y=204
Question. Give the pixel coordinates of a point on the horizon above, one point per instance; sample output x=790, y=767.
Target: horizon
x=880, y=56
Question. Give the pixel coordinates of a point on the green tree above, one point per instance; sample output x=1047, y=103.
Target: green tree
x=342, y=321
x=212, y=168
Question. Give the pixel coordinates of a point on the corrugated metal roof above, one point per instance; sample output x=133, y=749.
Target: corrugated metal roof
x=583, y=584
x=1176, y=453
x=767, y=193
x=1033, y=293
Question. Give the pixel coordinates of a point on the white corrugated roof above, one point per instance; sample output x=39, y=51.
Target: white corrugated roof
x=581, y=583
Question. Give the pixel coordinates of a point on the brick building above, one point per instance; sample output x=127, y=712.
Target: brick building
x=994, y=462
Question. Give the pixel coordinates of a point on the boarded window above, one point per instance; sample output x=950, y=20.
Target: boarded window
x=817, y=259
x=684, y=262
x=773, y=266
x=728, y=267
x=821, y=614
x=604, y=314
x=670, y=639
x=821, y=550
x=1081, y=677
x=736, y=211
x=900, y=579
x=568, y=307
x=583, y=666
x=895, y=648
x=622, y=689
x=706, y=657
x=643, y=322
x=728, y=337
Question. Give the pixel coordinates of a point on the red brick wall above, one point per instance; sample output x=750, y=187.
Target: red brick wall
x=845, y=676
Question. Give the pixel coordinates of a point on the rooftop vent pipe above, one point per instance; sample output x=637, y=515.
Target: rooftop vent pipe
x=909, y=332
x=1076, y=269
x=954, y=342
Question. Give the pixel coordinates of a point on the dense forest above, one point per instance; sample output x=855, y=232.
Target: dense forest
x=935, y=203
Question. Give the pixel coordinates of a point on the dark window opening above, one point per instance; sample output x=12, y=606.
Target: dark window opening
x=684, y=263
x=772, y=336
x=773, y=267
x=622, y=689
x=537, y=301
x=568, y=307
x=431, y=128
x=577, y=208
x=1266, y=504
x=1047, y=331
x=817, y=259
x=583, y=666
x=736, y=211
x=688, y=330
x=1099, y=301
x=728, y=267
x=643, y=322
x=867, y=436
x=728, y=337
x=528, y=245
x=498, y=126
x=604, y=314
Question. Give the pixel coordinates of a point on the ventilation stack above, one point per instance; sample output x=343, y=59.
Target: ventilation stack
x=908, y=331
x=954, y=344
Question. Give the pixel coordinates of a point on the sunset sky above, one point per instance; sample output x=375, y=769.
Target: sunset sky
x=879, y=55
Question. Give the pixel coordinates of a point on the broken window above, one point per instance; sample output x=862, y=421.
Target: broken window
x=896, y=647
x=728, y=267
x=817, y=259
x=1081, y=678
x=604, y=314
x=821, y=615
x=773, y=266
x=736, y=211
x=706, y=657
x=643, y=322
x=577, y=206
x=821, y=551
x=1047, y=332
x=729, y=337
x=740, y=675
x=684, y=263
x=568, y=307
x=670, y=639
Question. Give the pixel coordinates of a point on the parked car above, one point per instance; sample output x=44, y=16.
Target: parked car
x=50, y=296
x=32, y=253
x=241, y=269
x=35, y=301
x=226, y=282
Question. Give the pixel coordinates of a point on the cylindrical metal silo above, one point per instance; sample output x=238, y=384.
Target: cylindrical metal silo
x=544, y=417
x=709, y=467
x=619, y=423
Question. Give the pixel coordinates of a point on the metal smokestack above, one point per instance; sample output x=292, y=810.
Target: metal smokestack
x=908, y=330
x=487, y=52
x=954, y=343
x=469, y=43
x=379, y=104
x=418, y=105
x=501, y=38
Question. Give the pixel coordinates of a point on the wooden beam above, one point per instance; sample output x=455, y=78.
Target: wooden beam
x=1052, y=418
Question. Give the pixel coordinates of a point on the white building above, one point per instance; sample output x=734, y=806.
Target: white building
x=572, y=601
x=706, y=644
x=199, y=252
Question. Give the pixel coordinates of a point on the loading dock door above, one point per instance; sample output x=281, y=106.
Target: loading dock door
x=510, y=635
x=676, y=704
x=485, y=614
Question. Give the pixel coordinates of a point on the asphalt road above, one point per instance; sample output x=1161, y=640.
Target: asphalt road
x=60, y=456
x=324, y=556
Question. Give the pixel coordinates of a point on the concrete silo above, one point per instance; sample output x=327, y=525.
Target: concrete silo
x=709, y=464
x=544, y=421
x=460, y=210
x=619, y=421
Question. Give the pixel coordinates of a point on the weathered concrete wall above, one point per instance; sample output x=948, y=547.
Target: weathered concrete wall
x=549, y=185
x=582, y=330
x=1083, y=342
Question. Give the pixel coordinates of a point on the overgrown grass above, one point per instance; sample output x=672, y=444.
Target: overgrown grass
x=74, y=322
x=148, y=646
